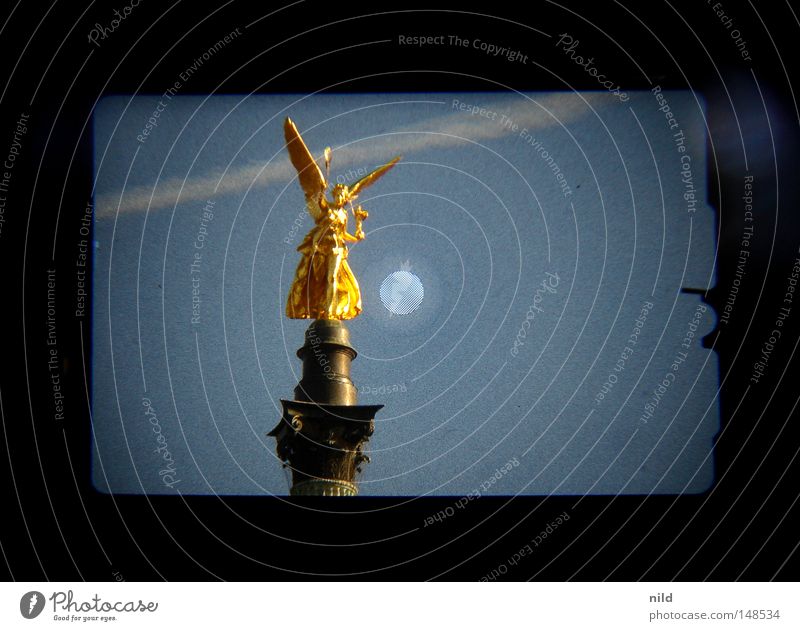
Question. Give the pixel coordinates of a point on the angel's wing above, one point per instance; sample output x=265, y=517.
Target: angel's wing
x=311, y=178
x=371, y=178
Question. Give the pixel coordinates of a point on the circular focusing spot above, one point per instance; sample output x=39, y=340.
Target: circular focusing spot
x=402, y=292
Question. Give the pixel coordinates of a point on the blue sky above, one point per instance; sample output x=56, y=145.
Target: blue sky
x=477, y=212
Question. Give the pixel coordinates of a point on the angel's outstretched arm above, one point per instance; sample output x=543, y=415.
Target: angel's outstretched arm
x=349, y=237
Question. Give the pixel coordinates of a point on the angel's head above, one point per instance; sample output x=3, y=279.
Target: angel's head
x=339, y=193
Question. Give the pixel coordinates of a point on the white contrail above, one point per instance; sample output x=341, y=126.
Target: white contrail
x=438, y=132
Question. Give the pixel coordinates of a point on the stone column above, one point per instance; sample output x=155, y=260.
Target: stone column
x=322, y=431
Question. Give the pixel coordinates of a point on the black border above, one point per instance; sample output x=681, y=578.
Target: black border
x=54, y=528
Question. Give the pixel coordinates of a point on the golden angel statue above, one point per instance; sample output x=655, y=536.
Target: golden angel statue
x=324, y=287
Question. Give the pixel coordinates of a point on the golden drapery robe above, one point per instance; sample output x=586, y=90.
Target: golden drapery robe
x=324, y=287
